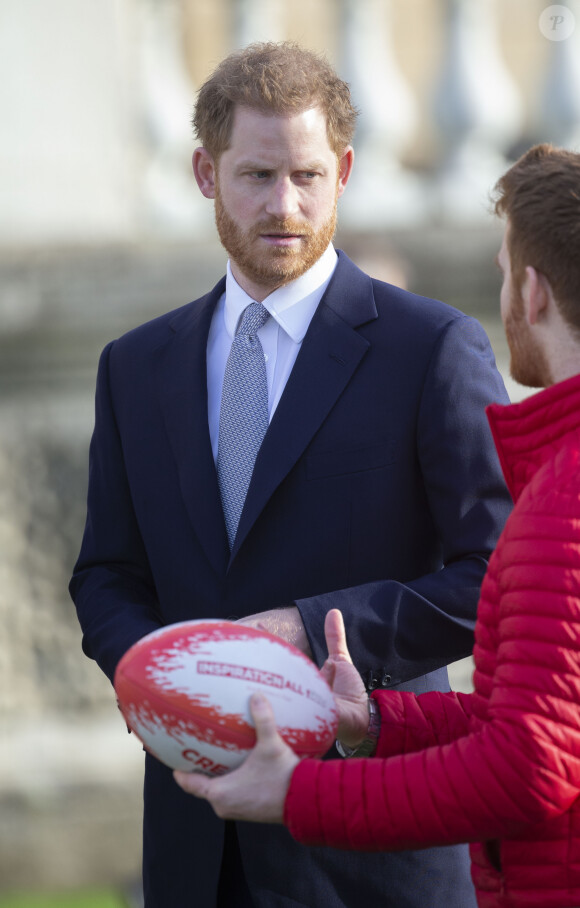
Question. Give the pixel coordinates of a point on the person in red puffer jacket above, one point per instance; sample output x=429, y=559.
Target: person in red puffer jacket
x=499, y=768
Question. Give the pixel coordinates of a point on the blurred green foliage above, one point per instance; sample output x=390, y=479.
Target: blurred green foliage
x=63, y=900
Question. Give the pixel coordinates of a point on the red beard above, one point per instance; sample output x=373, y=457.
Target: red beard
x=271, y=267
x=528, y=364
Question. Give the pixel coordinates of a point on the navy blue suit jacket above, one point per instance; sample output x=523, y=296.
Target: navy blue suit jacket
x=377, y=489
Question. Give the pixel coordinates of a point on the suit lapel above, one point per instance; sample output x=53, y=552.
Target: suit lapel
x=182, y=382
x=328, y=359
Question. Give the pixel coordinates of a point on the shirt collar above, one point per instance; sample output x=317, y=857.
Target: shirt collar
x=292, y=305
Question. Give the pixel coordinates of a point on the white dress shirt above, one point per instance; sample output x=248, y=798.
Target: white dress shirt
x=291, y=308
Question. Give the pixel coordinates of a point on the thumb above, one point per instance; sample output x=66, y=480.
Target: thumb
x=264, y=720
x=336, y=636
x=328, y=672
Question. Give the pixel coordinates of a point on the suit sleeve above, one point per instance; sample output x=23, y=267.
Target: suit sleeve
x=398, y=631
x=114, y=593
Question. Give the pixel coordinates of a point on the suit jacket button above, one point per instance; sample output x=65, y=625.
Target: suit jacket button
x=372, y=681
x=385, y=680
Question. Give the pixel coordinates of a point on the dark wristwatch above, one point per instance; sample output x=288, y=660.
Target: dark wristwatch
x=368, y=745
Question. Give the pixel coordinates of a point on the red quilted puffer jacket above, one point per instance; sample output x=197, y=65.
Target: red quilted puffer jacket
x=499, y=768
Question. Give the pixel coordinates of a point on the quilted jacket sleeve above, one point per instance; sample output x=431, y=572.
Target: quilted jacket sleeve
x=519, y=763
x=411, y=723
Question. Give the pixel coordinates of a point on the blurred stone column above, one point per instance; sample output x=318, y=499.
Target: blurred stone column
x=476, y=109
x=381, y=192
x=68, y=155
x=171, y=200
x=257, y=20
x=558, y=113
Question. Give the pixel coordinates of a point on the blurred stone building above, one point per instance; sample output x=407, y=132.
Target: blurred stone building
x=102, y=227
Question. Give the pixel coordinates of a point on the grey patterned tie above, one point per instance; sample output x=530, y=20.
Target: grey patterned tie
x=243, y=415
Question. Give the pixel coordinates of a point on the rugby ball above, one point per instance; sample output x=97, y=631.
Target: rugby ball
x=184, y=691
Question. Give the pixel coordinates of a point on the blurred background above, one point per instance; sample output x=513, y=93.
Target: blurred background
x=102, y=227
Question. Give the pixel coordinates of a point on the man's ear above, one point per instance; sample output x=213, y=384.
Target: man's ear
x=345, y=163
x=537, y=295
x=204, y=170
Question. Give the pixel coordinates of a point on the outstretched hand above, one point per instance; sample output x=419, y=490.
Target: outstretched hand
x=346, y=683
x=256, y=791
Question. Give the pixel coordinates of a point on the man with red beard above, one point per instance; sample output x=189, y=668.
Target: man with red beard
x=301, y=438
x=500, y=767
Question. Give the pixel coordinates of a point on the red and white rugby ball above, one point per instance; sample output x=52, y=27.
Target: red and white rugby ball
x=184, y=690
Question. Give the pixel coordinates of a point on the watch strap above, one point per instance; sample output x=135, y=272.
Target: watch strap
x=368, y=745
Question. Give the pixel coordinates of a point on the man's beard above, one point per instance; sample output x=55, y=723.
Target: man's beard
x=271, y=267
x=528, y=364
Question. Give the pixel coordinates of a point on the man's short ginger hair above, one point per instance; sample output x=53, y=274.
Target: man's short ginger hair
x=540, y=197
x=277, y=79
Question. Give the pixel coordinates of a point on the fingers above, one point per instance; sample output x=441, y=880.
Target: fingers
x=193, y=783
x=256, y=790
x=336, y=635
x=266, y=733
x=203, y=786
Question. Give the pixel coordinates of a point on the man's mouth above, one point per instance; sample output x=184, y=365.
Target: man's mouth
x=282, y=239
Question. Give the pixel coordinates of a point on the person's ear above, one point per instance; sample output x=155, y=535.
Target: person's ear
x=205, y=172
x=345, y=163
x=537, y=295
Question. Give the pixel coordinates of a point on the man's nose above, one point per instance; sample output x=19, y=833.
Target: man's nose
x=283, y=199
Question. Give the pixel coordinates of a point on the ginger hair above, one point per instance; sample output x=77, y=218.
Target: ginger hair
x=277, y=79
x=540, y=198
